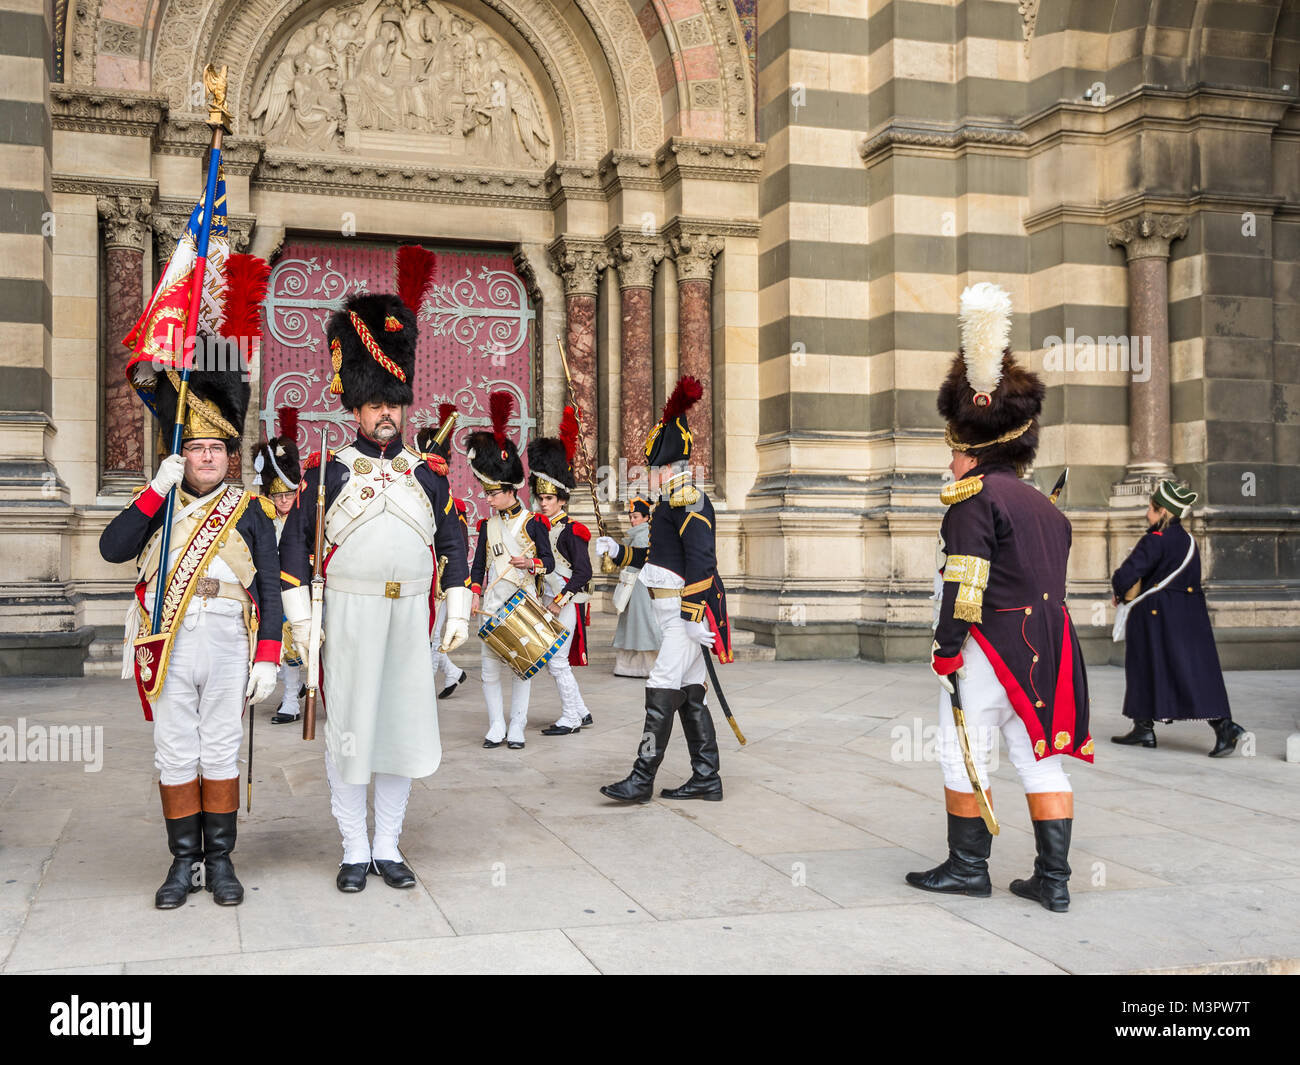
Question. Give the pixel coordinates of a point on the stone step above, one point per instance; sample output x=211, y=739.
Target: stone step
x=103, y=658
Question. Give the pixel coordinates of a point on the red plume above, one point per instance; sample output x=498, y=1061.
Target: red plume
x=684, y=397
x=445, y=411
x=501, y=405
x=569, y=433
x=286, y=423
x=247, y=277
x=414, y=274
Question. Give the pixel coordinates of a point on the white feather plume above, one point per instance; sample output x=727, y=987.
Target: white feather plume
x=985, y=332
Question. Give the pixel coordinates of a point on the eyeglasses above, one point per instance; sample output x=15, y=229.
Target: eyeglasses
x=215, y=450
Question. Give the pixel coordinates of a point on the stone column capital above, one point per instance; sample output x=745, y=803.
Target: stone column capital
x=635, y=257
x=694, y=250
x=1147, y=236
x=125, y=220
x=578, y=261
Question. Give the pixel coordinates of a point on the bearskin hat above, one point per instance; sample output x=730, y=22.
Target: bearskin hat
x=670, y=438
x=372, y=345
x=217, y=404
x=990, y=402
x=493, y=457
x=550, y=460
x=278, y=466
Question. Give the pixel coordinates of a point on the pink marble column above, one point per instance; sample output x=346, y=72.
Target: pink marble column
x=693, y=253
x=579, y=263
x=636, y=259
x=1146, y=239
x=125, y=223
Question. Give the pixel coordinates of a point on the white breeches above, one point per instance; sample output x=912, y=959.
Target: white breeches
x=198, y=719
x=681, y=659
x=495, y=674
x=572, y=708
x=988, y=710
x=348, y=803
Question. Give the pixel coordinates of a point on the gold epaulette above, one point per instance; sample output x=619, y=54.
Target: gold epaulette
x=268, y=508
x=139, y=491
x=685, y=496
x=960, y=490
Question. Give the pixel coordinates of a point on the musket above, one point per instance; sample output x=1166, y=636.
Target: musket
x=317, y=603
x=963, y=737
x=722, y=699
x=606, y=563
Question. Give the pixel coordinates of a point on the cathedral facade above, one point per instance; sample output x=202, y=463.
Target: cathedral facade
x=784, y=198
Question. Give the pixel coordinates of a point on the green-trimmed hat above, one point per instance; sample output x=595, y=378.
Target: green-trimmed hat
x=1174, y=498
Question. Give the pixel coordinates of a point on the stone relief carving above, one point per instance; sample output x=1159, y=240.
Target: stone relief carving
x=402, y=75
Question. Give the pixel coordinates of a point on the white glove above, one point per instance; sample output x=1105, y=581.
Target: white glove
x=948, y=685
x=457, y=631
x=701, y=634
x=261, y=681
x=606, y=545
x=300, y=631
x=170, y=472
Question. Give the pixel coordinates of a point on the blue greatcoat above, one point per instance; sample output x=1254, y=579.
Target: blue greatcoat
x=1171, y=665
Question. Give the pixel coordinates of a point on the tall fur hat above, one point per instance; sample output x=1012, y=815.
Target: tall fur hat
x=493, y=457
x=217, y=405
x=372, y=346
x=990, y=402
x=550, y=460
x=278, y=465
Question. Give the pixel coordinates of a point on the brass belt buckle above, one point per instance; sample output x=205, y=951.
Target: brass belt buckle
x=393, y=590
x=207, y=587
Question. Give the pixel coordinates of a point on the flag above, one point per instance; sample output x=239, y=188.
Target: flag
x=157, y=340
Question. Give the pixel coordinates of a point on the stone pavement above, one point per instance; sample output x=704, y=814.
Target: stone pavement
x=1180, y=861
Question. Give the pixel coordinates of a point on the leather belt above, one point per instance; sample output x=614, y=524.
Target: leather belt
x=211, y=588
x=387, y=589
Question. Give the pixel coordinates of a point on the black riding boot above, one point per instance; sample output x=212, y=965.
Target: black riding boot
x=966, y=872
x=220, y=806
x=185, y=841
x=1142, y=735
x=1226, y=734
x=638, y=786
x=702, y=742
x=1050, y=884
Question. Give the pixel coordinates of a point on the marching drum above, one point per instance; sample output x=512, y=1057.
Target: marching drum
x=523, y=634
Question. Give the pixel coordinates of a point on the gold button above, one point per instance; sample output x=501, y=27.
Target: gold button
x=1044, y=595
x=1035, y=658
x=1153, y=611
x=1189, y=587
x=1039, y=703
x=1029, y=610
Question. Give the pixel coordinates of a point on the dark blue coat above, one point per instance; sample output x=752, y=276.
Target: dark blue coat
x=1171, y=665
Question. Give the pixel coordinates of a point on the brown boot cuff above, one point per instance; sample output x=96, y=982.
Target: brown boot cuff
x=180, y=800
x=221, y=796
x=964, y=803
x=1050, y=805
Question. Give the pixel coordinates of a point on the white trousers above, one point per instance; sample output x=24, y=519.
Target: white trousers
x=495, y=673
x=348, y=803
x=572, y=708
x=198, y=719
x=442, y=662
x=681, y=659
x=289, y=678
x=988, y=710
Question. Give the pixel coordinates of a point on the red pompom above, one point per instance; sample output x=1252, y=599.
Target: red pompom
x=501, y=406
x=684, y=397
x=286, y=423
x=569, y=433
x=247, y=277
x=414, y=275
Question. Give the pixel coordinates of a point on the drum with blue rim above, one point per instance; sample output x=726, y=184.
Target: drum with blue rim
x=523, y=634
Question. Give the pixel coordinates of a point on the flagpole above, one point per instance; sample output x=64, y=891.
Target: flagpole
x=217, y=118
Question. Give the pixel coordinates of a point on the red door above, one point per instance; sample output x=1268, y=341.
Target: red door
x=476, y=336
